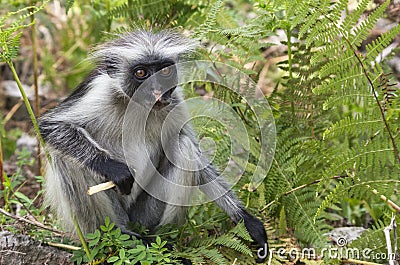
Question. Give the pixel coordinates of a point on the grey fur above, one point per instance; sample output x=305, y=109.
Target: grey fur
x=87, y=128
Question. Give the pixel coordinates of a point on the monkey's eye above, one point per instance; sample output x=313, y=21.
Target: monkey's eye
x=166, y=71
x=141, y=73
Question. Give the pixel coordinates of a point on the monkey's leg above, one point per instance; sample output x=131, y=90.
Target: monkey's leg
x=65, y=190
x=75, y=142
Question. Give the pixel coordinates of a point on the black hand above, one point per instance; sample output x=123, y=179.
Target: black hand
x=121, y=176
x=117, y=172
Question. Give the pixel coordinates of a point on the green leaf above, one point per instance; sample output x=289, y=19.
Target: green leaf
x=142, y=255
x=113, y=259
x=124, y=237
x=23, y=197
x=122, y=253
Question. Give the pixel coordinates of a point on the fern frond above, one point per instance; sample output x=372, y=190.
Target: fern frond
x=361, y=156
x=374, y=241
x=10, y=35
x=122, y=10
x=329, y=200
x=298, y=11
x=378, y=45
x=232, y=243
x=351, y=19
x=342, y=99
x=333, y=102
x=364, y=28
x=353, y=126
x=360, y=190
x=310, y=21
x=342, y=81
x=283, y=170
x=341, y=62
x=211, y=19
x=301, y=207
x=327, y=27
x=213, y=255
x=240, y=231
x=140, y=8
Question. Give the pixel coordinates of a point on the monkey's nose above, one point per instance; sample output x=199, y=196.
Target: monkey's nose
x=157, y=94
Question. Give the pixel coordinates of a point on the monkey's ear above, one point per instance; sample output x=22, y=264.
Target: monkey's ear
x=111, y=64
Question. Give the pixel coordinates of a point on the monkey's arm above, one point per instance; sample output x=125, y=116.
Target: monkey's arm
x=75, y=142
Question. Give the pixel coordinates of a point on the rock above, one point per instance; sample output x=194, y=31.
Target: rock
x=344, y=235
x=27, y=141
x=11, y=89
x=22, y=249
x=10, y=96
x=395, y=64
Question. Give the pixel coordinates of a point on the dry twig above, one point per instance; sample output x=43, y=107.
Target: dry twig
x=100, y=187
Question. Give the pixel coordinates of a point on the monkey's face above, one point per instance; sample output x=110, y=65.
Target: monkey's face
x=141, y=66
x=151, y=83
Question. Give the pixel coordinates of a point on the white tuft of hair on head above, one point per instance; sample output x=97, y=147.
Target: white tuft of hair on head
x=140, y=44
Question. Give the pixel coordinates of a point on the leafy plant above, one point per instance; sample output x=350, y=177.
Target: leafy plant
x=11, y=185
x=112, y=246
x=337, y=138
x=10, y=36
x=8, y=140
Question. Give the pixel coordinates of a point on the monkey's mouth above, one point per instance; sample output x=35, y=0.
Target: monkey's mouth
x=162, y=99
x=159, y=105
